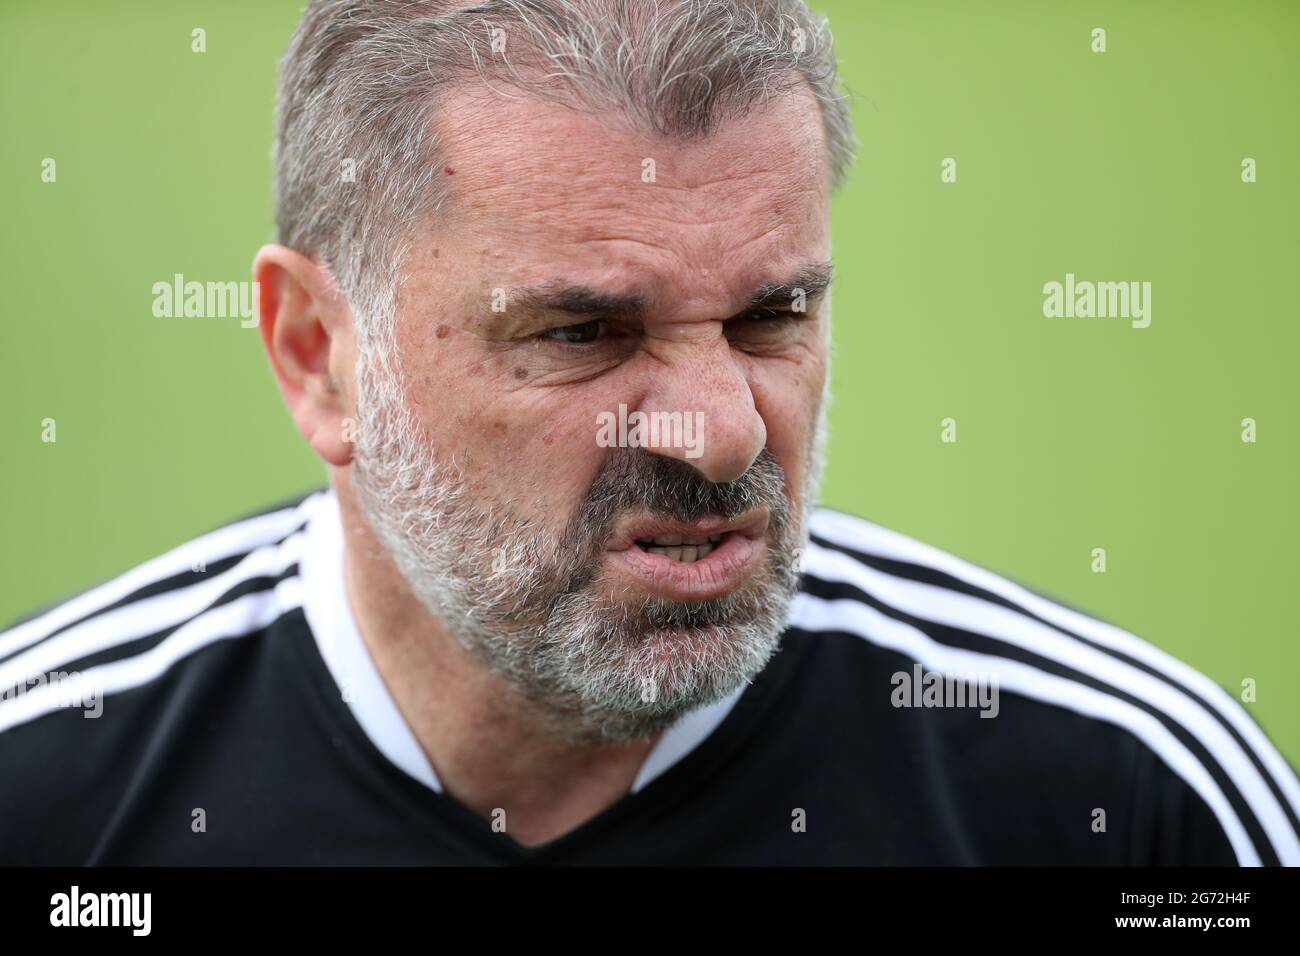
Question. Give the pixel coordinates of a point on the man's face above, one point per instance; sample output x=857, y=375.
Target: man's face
x=580, y=273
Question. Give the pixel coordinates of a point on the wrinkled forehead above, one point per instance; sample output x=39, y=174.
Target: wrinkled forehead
x=538, y=185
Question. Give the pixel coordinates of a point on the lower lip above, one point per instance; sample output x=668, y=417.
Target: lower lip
x=723, y=569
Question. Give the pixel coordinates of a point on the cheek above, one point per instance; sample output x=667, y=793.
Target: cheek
x=788, y=396
x=535, y=453
x=451, y=392
x=532, y=450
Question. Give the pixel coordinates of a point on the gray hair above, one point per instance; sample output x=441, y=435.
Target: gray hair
x=361, y=77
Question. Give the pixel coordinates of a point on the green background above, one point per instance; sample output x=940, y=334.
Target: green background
x=1073, y=434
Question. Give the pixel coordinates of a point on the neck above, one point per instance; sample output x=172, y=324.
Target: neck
x=485, y=740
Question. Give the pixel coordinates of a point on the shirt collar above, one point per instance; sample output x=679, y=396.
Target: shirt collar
x=330, y=618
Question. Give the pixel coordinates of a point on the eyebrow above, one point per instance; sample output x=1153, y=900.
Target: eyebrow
x=812, y=280
x=580, y=301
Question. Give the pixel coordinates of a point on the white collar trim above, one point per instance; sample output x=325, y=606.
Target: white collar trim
x=329, y=615
x=330, y=618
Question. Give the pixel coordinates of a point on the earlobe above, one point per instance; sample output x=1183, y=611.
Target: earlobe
x=302, y=334
x=329, y=440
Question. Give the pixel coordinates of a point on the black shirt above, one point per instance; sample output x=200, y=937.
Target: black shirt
x=243, y=723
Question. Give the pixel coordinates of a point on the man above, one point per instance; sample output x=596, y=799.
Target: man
x=551, y=302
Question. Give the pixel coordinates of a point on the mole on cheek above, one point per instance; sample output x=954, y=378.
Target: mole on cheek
x=442, y=332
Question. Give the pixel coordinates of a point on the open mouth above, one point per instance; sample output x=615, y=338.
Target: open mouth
x=681, y=547
x=690, y=561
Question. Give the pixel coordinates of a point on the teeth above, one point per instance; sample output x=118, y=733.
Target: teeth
x=678, y=540
x=688, y=554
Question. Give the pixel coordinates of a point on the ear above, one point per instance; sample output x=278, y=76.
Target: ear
x=306, y=328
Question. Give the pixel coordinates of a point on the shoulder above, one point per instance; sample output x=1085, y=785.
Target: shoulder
x=110, y=700
x=134, y=629
x=914, y=603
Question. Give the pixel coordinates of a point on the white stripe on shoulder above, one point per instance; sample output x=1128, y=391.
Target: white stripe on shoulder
x=977, y=616
x=852, y=532
x=147, y=616
x=815, y=614
x=239, y=618
x=215, y=546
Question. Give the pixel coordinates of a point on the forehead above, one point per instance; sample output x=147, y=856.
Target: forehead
x=538, y=187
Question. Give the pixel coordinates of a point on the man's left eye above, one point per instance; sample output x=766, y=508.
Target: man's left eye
x=774, y=316
x=577, y=334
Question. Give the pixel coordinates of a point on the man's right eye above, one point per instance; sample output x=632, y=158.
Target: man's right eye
x=577, y=334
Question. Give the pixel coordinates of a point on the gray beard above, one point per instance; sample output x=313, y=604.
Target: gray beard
x=524, y=600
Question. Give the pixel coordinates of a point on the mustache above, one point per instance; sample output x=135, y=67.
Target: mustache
x=633, y=479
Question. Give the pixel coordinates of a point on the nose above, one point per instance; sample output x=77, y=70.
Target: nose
x=701, y=384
